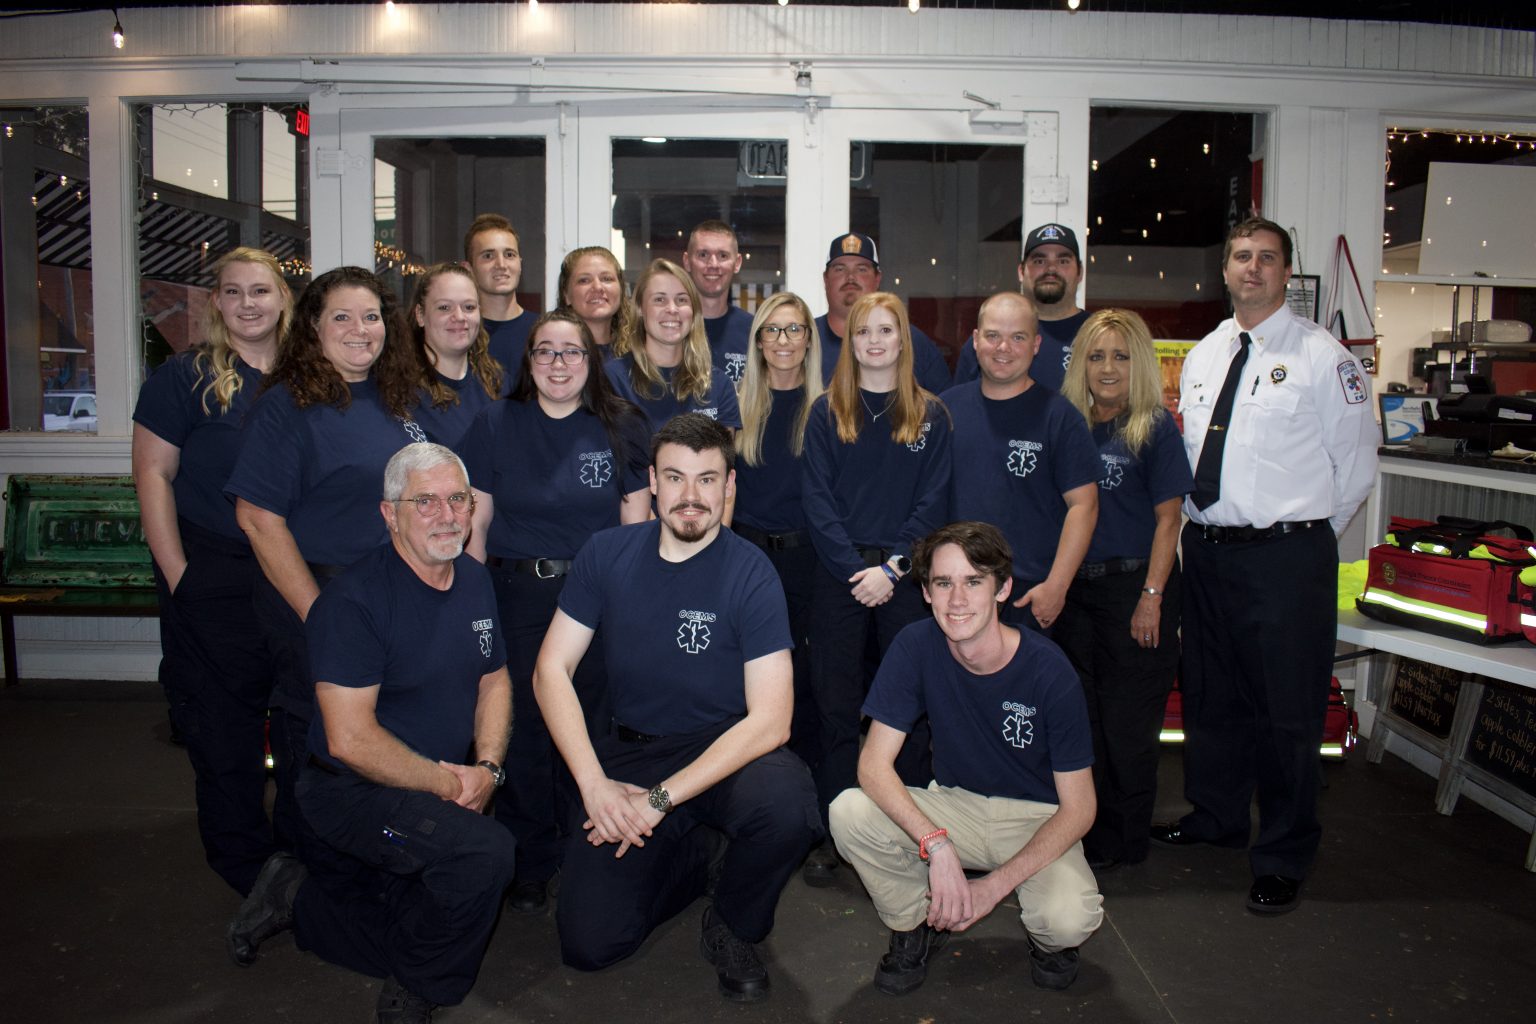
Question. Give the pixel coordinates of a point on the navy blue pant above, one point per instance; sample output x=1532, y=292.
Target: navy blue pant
x=1127, y=689
x=766, y=811
x=540, y=795
x=218, y=680
x=839, y=629
x=797, y=569
x=1259, y=624
x=1024, y=618
x=402, y=884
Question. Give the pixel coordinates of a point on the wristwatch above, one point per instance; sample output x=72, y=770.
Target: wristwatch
x=660, y=798
x=498, y=774
x=902, y=563
x=1151, y=590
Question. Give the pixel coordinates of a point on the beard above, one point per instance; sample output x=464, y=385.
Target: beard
x=1049, y=291
x=688, y=530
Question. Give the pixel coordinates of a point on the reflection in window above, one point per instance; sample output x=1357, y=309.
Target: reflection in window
x=663, y=188
x=1164, y=188
x=50, y=366
x=946, y=219
x=246, y=187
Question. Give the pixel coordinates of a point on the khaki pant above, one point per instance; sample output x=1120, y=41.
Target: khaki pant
x=1060, y=905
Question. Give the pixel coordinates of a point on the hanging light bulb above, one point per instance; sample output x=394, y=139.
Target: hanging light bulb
x=783, y=3
x=913, y=5
x=117, y=30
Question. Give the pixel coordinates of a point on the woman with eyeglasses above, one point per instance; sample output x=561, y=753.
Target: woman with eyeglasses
x=876, y=480
x=781, y=382
x=561, y=459
x=336, y=408
x=460, y=375
x=591, y=285
x=1120, y=624
x=664, y=364
x=214, y=666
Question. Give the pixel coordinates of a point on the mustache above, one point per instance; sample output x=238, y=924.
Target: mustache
x=684, y=505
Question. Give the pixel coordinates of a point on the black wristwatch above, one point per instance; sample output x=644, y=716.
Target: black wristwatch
x=660, y=798
x=498, y=774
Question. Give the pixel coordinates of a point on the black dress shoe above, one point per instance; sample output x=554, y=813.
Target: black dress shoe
x=527, y=897
x=1175, y=834
x=1274, y=894
x=1101, y=861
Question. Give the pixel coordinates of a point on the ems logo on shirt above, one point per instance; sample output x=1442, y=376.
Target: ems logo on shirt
x=1114, y=471
x=596, y=467
x=1351, y=381
x=414, y=430
x=1066, y=359
x=693, y=634
x=713, y=412
x=483, y=627
x=1021, y=457
x=922, y=439
x=1018, y=730
x=1277, y=374
x=735, y=366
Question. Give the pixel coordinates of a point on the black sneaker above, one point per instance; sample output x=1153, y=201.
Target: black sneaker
x=267, y=910
x=820, y=870
x=1052, y=970
x=743, y=979
x=527, y=897
x=399, y=1005
x=905, y=965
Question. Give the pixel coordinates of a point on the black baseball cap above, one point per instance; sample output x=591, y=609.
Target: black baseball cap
x=1052, y=234
x=853, y=244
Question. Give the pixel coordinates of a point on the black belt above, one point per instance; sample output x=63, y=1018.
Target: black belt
x=1233, y=534
x=543, y=568
x=771, y=541
x=319, y=765
x=1112, y=567
x=320, y=570
x=875, y=556
x=628, y=735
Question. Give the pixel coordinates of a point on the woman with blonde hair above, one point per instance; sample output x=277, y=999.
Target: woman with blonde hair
x=664, y=364
x=876, y=480
x=460, y=377
x=781, y=382
x=215, y=669
x=1120, y=625
x=591, y=285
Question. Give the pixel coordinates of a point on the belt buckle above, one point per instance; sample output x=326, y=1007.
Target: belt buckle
x=538, y=569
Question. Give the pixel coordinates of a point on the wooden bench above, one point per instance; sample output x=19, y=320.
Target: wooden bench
x=74, y=547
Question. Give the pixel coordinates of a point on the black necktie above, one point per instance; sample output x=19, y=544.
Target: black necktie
x=1208, y=472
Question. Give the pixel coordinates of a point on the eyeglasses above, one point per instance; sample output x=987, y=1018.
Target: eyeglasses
x=772, y=331
x=567, y=356
x=429, y=505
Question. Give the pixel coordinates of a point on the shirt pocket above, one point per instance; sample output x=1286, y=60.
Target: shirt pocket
x=1267, y=414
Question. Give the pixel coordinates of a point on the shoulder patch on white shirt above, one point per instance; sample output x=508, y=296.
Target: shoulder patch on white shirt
x=1351, y=381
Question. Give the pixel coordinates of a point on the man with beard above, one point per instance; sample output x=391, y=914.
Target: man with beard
x=699, y=679
x=493, y=255
x=1049, y=274
x=414, y=705
x=713, y=261
x=1031, y=467
x=853, y=268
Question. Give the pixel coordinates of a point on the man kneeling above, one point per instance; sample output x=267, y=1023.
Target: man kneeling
x=1013, y=790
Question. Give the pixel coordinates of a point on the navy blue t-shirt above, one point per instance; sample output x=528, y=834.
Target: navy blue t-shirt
x=448, y=424
x=677, y=635
x=729, y=338
x=768, y=494
x=1131, y=486
x=1002, y=734
x=1020, y=456
x=928, y=364
x=555, y=482
x=1050, y=363
x=171, y=407
x=719, y=406
x=322, y=469
x=378, y=624
x=509, y=340
x=875, y=492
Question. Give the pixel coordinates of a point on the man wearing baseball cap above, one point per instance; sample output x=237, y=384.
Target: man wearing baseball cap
x=853, y=268
x=1049, y=274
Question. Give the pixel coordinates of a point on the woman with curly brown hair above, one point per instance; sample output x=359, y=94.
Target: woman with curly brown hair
x=306, y=485
x=214, y=665
x=592, y=286
x=460, y=377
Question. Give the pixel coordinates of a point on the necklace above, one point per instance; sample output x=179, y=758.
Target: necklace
x=872, y=414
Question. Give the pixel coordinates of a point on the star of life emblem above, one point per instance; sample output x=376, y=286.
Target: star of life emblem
x=414, y=430
x=1113, y=473
x=735, y=366
x=693, y=632
x=483, y=627
x=596, y=468
x=922, y=439
x=1018, y=730
x=1021, y=457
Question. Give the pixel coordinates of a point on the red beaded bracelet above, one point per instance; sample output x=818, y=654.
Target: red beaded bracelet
x=922, y=844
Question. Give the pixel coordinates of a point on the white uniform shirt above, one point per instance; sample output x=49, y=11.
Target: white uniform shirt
x=1302, y=441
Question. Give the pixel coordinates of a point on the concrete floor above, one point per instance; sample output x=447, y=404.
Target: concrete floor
x=110, y=915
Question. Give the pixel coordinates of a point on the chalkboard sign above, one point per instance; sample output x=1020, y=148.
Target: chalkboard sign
x=1425, y=695
x=1503, y=739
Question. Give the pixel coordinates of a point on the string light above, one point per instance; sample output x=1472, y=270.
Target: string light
x=117, y=30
